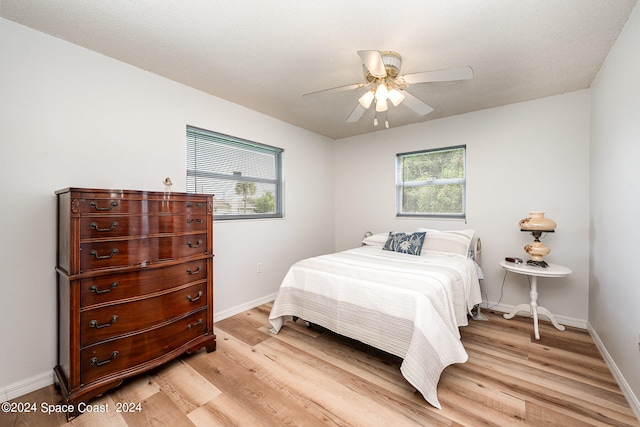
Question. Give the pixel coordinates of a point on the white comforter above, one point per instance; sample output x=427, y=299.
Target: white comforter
x=410, y=306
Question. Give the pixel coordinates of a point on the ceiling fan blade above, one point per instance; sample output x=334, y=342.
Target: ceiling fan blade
x=372, y=59
x=448, y=75
x=415, y=104
x=356, y=113
x=337, y=89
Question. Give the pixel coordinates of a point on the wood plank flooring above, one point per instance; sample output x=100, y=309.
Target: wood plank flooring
x=310, y=377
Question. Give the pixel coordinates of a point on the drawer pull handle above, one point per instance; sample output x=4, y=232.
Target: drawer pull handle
x=199, y=322
x=94, y=323
x=94, y=288
x=94, y=360
x=194, y=245
x=197, y=270
x=111, y=206
x=197, y=297
x=94, y=253
x=94, y=225
x=189, y=204
x=190, y=220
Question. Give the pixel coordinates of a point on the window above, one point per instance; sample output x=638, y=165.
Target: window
x=245, y=177
x=431, y=183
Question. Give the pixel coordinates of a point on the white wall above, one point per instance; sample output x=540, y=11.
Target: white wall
x=72, y=117
x=522, y=157
x=614, y=288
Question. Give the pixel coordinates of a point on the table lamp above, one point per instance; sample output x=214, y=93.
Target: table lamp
x=536, y=224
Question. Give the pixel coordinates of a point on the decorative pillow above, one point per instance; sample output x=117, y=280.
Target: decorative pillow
x=455, y=241
x=407, y=243
x=378, y=239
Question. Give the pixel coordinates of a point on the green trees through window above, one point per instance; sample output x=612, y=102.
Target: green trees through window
x=431, y=183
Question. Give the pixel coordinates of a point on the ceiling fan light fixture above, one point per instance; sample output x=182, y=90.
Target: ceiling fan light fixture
x=381, y=105
x=396, y=97
x=366, y=99
x=382, y=93
x=384, y=83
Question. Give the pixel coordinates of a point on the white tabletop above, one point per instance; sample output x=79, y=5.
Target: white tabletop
x=553, y=270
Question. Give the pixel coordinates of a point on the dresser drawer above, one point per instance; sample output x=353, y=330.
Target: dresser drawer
x=104, y=227
x=116, y=205
x=115, y=356
x=121, y=253
x=107, y=322
x=118, y=286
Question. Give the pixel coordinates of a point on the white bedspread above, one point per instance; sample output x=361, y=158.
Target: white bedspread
x=410, y=306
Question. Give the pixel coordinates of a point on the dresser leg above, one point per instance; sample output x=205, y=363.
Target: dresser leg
x=75, y=413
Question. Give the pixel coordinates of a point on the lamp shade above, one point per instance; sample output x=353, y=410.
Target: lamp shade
x=396, y=97
x=366, y=99
x=382, y=93
x=537, y=222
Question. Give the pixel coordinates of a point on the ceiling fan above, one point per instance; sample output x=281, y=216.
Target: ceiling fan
x=382, y=76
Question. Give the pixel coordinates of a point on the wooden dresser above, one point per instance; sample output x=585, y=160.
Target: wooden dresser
x=135, y=284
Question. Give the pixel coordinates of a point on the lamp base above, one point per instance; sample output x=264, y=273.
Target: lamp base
x=537, y=250
x=534, y=263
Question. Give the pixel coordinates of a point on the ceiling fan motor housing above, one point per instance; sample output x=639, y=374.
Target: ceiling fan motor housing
x=392, y=62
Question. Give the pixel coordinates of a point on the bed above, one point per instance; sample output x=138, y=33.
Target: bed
x=404, y=293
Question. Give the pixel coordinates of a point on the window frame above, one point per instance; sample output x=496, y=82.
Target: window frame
x=242, y=144
x=400, y=185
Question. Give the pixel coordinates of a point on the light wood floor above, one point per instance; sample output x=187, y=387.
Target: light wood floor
x=306, y=377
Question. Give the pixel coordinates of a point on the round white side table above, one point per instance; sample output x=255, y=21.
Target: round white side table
x=553, y=270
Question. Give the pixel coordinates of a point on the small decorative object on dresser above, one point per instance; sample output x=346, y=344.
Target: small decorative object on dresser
x=167, y=185
x=135, y=285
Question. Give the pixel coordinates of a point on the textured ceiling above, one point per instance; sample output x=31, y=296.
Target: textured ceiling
x=265, y=55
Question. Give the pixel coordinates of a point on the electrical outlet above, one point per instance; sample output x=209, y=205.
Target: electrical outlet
x=259, y=268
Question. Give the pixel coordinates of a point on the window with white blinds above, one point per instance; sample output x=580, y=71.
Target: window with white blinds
x=245, y=177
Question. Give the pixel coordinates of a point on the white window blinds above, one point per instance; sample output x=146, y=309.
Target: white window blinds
x=244, y=176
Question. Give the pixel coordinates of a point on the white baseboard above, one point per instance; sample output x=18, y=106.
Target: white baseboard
x=45, y=379
x=563, y=320
x=26, y=386
x=221, y=315
x=632, y=399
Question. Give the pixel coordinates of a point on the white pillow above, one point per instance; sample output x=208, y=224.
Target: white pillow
x=378, y=239
x=454, y=241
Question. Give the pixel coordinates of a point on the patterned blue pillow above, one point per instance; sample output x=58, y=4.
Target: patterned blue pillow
x=407, y=243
